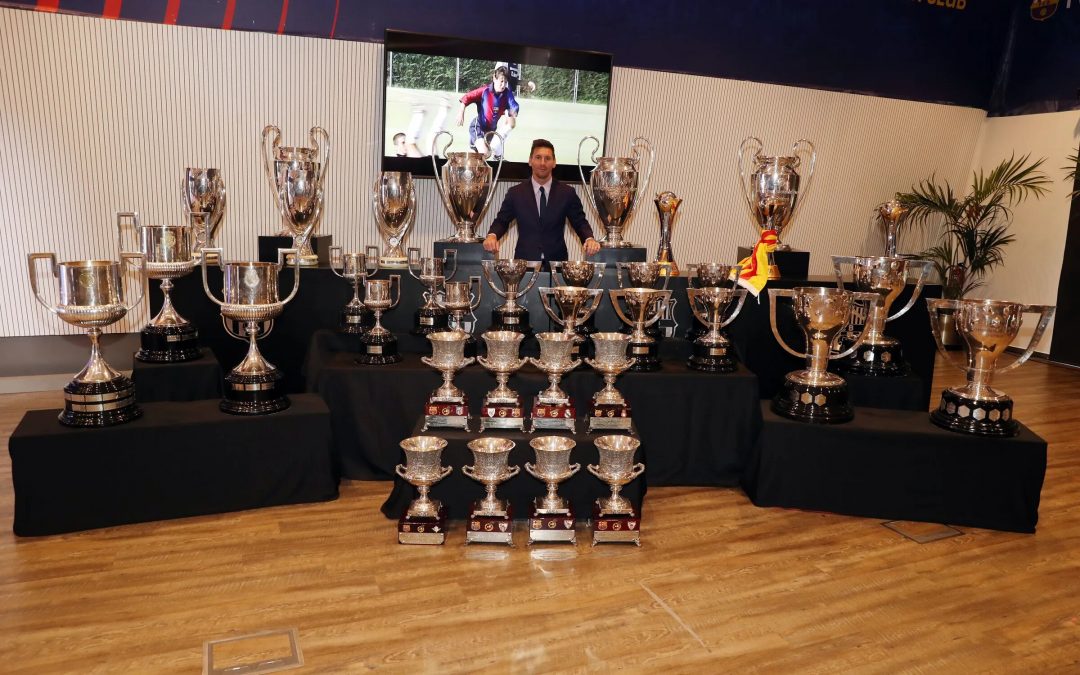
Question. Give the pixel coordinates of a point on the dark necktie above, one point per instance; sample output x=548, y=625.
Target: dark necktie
x=543, y=203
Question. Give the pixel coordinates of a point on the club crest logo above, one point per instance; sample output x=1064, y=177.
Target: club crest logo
x=1041, y=10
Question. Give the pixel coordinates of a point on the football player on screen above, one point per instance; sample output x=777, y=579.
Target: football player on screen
x=493, y=100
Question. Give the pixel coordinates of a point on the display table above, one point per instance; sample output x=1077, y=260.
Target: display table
x=179, y=459
x=457, y=491
x=193, y=380
x=902, y=392
x=896, y=465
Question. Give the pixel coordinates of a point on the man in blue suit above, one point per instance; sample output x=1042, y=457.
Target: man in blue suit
x=541, y=207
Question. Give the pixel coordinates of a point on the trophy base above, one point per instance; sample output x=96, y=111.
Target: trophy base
x=981, y=418
x=618, y=528
x=516, y=321
x=305, y=260
x=99, y=404
x=695, y=330
x=393, y=263
x=553, y=416
x=319, y=243
x=484, y=528
x=429, y=321
x=428, y=530
x=646, y=355
x=443, y=415
x=379, y=350
x=813, y=403
x=169, y=344
x=354, y=322
x=876, y=360
x=259, y=394
x=712, y=358
x=502, y=416
x=551, y=526
x=610, y=417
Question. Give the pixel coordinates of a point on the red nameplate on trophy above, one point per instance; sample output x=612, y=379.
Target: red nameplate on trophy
x=610, y=416
x=422, y=530
x=554, y=416
x=485, y=529
x=502, y=416
x=616, y=527
x=446, y=409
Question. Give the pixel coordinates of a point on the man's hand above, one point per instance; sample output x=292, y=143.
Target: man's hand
x=491, y=244
x=592, y=247
x=461, y=116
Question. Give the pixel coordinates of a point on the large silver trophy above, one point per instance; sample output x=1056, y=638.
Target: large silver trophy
x=879, y=354
x=891, y=215
x=712, y=352
x=814, y=394
x=491, y=520
x=553, y=408
x=380, y=345
x=355, y=268
x=510, y=315
x=644, y=307
x=465, y=186
x=90, y=295
x=251, y=297
x=667, y=204
x=581, y=274
x=708, y=275
x=987, y=327
x=297, y=175
x=447, y=406
x=610, y=410
x=394, y=202
x=614, y=518
x=773, y=188
x=502, y=407
x=615, y=185
x=432, y=273
x=576, y=305
x=169, y=337
x=424, y=522
x=459, y=299
x=552, y=517
x=202, y=196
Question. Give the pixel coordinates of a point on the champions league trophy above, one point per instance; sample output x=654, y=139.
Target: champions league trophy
x=251, y=297
x=464, y=184
x=712, y=352
x=393, y=201
x=614, y=518
x=91, y=296
x=355, y=268
x=424, y=522
x=380, y=345
x=708, y=275
x=575, y=305
x=502, y=407
x=610, y=410
x=666, y=205
x=644, y=307
x=169, y=337
x=891, y=214
x=458, y=299
x=553, y=408
x=447, y=406
x=552, y=517
x=491, y=520
x=582, y=274
x=296, y=176
x=510, y=315
x=432, y=273
x=814, y=394
x=773, y=188
x=202, y=196
x=613, y=187
x=987, y=327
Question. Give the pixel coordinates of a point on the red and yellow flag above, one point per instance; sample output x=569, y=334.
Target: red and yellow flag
x=755, y=268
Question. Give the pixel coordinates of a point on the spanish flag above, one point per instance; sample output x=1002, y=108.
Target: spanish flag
x=755, y=268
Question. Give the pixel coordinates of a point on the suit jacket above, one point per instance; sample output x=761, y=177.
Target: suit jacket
x=535, y=237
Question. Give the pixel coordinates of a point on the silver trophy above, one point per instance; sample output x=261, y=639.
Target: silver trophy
x=708, y=275
x=432, y=273
x=447, y=406
x=582, y=274
x=552, y=518
x=203, y=198
x=614, y=186
x=394, y=202
x=380, y=345
x=90, y=295
x=424, y=522
x=169, y=337
x=610, y=410
x=614, y=517
x=297, y=175
x=465, y=186
x=891, y=215
x=460, y=298
x=644, y=307
x=667, y=204
x=712, y=352
x=576, y=305
x=988, y=328
x=355, y=268
x=553, y=408
x=510, y=315
x=491, y=519
x=650, y=275
x=502, y=405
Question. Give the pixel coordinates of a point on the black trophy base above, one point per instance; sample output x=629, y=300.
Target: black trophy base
x=356, y=322
x=876, y=360
x=551, y=526
x=712, y=358
x=515, y=321
x=553, y=416
x=615, y=528
x=610, y=417
x=695, y=330
x=482, y=528
x=646, y=356
x=169, y=344
x=261, y=394
x=428, y=321
x=981, y=418
x=811, y=403
x=427, y=530
x=378, y=349
x=99, y=404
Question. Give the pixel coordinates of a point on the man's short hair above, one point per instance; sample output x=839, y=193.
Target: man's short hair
x=542, y=143
x=501, y=70
x=399, y=136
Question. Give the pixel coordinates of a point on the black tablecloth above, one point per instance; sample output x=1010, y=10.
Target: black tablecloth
x=179, y=459
x=897, y=465
x=193, y=380
x=903, y=392
x=457, y=491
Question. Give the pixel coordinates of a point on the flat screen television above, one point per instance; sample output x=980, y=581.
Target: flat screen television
x=435, y=83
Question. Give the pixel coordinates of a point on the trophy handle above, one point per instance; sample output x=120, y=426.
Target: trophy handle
x=283, y=255
x=546, y=293
x=838, y=262
x=805, y=146
x=266, y=151
x=122, y=218
x=692, y=295
x=598, y=275
x=400, y=470
x=410, y=213
x=741, y=292
x=557, y=276
x=469, y=471
x=639, y=469
x=395, y=282
x=371, y=261
x=574, y=468
x=313, y=223
x=219, y=215
x=498, y=170
x=474, y=298
x=581, y=171
x=875, y=301
x=486, y=267
x=439, y=183
x=531, y=470
x=127, y=259
x=220, y=257
x=597, y=299
x=30, y=260
x=744, y=179
x=535, y=267
x=924, y=267
x=594, y=469
x=469, y=360
x=615, y=295
x=662, y=300
x=774, y=295
x=483, y=362
x=413, y=260
x=933, y=305
x=337, y=256
x=619, y=267
x=449, y=253
x=1046, y=312
x=641, y=141
x=426, y=360
x=317, y=134
x=512, y=471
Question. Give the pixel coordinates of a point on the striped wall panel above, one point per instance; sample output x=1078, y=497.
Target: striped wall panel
x=97, y=116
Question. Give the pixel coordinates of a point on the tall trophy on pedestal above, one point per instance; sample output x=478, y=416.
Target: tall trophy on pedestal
x=650, y=275
x=169, y=337
x=553, y=408
x=773, y=190
x=580, y=274
x=987, y=327
x=91, y=296
x=424, y=522
x=814, y=394
x=712, y=352
x=614, y=518
x=575, y=305
x=459, y=299
x=510, y=315
x=666, y=205
x=708, y=275
x=251, y=297
x=355, y=268
x=502, y=407
x=464, y=184
x=614, y=187
x=432, y=273
x=394, y=202
x=552, y=517
x=891, y=214
x=296, y=175
x=491, y=520
x=644, y=307
x=447, y=406
x=202, y=196
x=380, y=345
x=880, y=354
x=609, y=409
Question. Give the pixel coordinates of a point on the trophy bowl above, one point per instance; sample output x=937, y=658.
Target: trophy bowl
x=614, y=186
x=576, y=305
x=712, y=351
x=892, y=215
x=552, y=467
x=555, y=360
x=667, y=204
x=380, y=345
x=278, y=160
x=432, y=273
x=490, y=467
x=448, y=357
x=393, y=200
x=203, y=198
x=464, y=184
x=355, y=267
x=511, y=315
x=616, y=468
x=423, y=468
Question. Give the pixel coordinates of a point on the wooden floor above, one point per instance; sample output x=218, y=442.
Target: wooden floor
x=719, y=586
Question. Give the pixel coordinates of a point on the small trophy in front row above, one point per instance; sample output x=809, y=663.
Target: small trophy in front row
x=424, y=522
x=610, y=411
x=380, y=345
x=552, y=518
x=458, y=300
x=447, y=406
x=645, y=307
x=510, y=315
x=355, y=268
x=502, y=407
x=491, y=520
x=712, y=352
x=614, y=518
x=553, y=408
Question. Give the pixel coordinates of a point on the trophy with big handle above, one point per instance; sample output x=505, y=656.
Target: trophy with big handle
x=708, y=275
x=553, y=408
x=424, y=522
x=203, y=198
x=380, y=345
x=458, y=300
x=464, y=184
x=552, y=517
x=510, y=315
x=649, y=275
x=251, y=297
x=712, y=352
x=644, y=307
x=891, y=215
x=169, y=337
x=297, y=175
x=393, y=201
x=667, y=204
x=814, y=394
x=90, y=295
x=581, y=274
x=432, y=273
x=987, y=327
x=447, y=406
x=879, y=354
x=491, y=520
x=502, y=407
x=614, y=518
x=610, y=411
x=615, y=185
x=576, y=305
x=355, y=268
